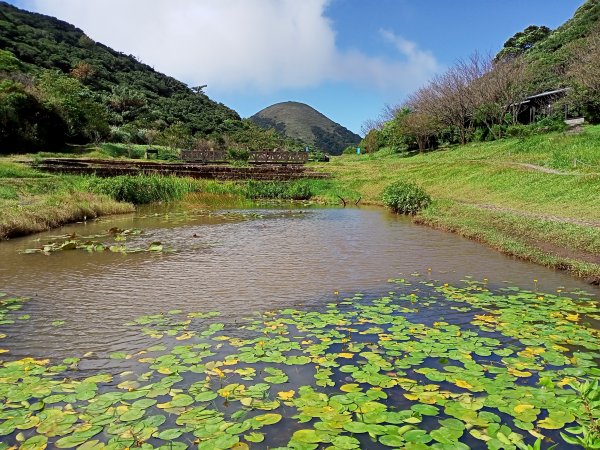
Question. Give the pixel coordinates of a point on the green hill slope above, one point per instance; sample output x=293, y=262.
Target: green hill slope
x=523, y=196
x=299, y=121
x=584, y=21
x=550, y=56
x=132, y=93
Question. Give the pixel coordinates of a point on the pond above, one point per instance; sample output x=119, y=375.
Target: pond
x=264, y=326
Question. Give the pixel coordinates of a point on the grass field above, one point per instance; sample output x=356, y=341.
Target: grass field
x=537, y=198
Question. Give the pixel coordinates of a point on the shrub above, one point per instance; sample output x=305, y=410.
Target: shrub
x=548, y=124
x=119, y=135
x=519, y=130
x=142, y=189
x=238, y=155
x=405, y=198
x=545, y=125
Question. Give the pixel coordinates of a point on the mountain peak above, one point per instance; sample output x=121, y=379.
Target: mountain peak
x=300, y=121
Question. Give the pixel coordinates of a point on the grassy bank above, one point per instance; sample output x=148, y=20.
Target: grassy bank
x=555, y=244
x=32, y=201
x=535, y=198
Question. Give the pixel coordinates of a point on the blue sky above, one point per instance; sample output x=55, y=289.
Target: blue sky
x=346, y=58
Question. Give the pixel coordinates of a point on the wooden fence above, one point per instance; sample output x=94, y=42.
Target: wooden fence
x=278, y=157
x=261, y=157
x=204, y=156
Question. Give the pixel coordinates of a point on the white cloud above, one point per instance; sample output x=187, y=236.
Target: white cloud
x=237, y=45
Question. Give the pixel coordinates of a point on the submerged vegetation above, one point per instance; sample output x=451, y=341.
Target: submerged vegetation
x=98, y=243
x=512, y=370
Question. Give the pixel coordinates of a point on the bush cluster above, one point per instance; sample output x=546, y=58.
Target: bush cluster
x=238, y=155
x=142, y=189
x=405, y=198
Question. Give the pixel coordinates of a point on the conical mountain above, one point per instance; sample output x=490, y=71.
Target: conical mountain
x=302, y=122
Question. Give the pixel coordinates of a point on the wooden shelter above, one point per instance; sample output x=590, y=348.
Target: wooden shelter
x=541, y=105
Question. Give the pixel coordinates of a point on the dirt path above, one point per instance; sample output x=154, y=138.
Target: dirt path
x=567, y=253
x=517, y=212
x=544, y=169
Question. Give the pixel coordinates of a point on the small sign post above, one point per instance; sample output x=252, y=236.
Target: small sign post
x=358, y=150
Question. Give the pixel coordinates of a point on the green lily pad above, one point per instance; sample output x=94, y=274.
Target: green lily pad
x=426, y=410
x=255, y=437
x=34, y=443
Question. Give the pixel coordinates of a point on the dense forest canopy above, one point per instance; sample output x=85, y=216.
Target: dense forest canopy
x=57, y=85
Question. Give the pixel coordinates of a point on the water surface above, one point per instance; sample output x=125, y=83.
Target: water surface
x=236, y=261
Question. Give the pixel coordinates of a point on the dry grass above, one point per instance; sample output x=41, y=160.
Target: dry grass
x=37, y=213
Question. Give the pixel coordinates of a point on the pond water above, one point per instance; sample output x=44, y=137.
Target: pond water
x=243, y=261
x=240, y=261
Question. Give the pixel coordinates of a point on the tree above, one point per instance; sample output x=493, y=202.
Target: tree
x=9, y=63
x=420, y=127
x=392, y=134
x=372, y=142
x=450, y=98
x=500, y=92
x=199, y=90
x=85, y=118
x=388, y=113
x=25, y=122
x=583, y=72
x=177, y=136
x=255, y=138
x=82, y=72
x=523, y=41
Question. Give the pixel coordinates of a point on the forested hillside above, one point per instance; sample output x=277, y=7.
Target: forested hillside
x=57, y=85
x=485, y=98
x=299, y=121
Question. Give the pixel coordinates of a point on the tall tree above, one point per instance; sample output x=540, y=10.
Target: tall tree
x=523, y=41
x=419, y=127
x=85, y=117
x=450, y=98
x=500, y=92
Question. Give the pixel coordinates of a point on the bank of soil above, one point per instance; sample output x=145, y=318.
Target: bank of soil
x=557, y=243
x=109, y=168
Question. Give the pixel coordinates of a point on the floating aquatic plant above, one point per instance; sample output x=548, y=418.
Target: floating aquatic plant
x=390, y=371
x=94, y=246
